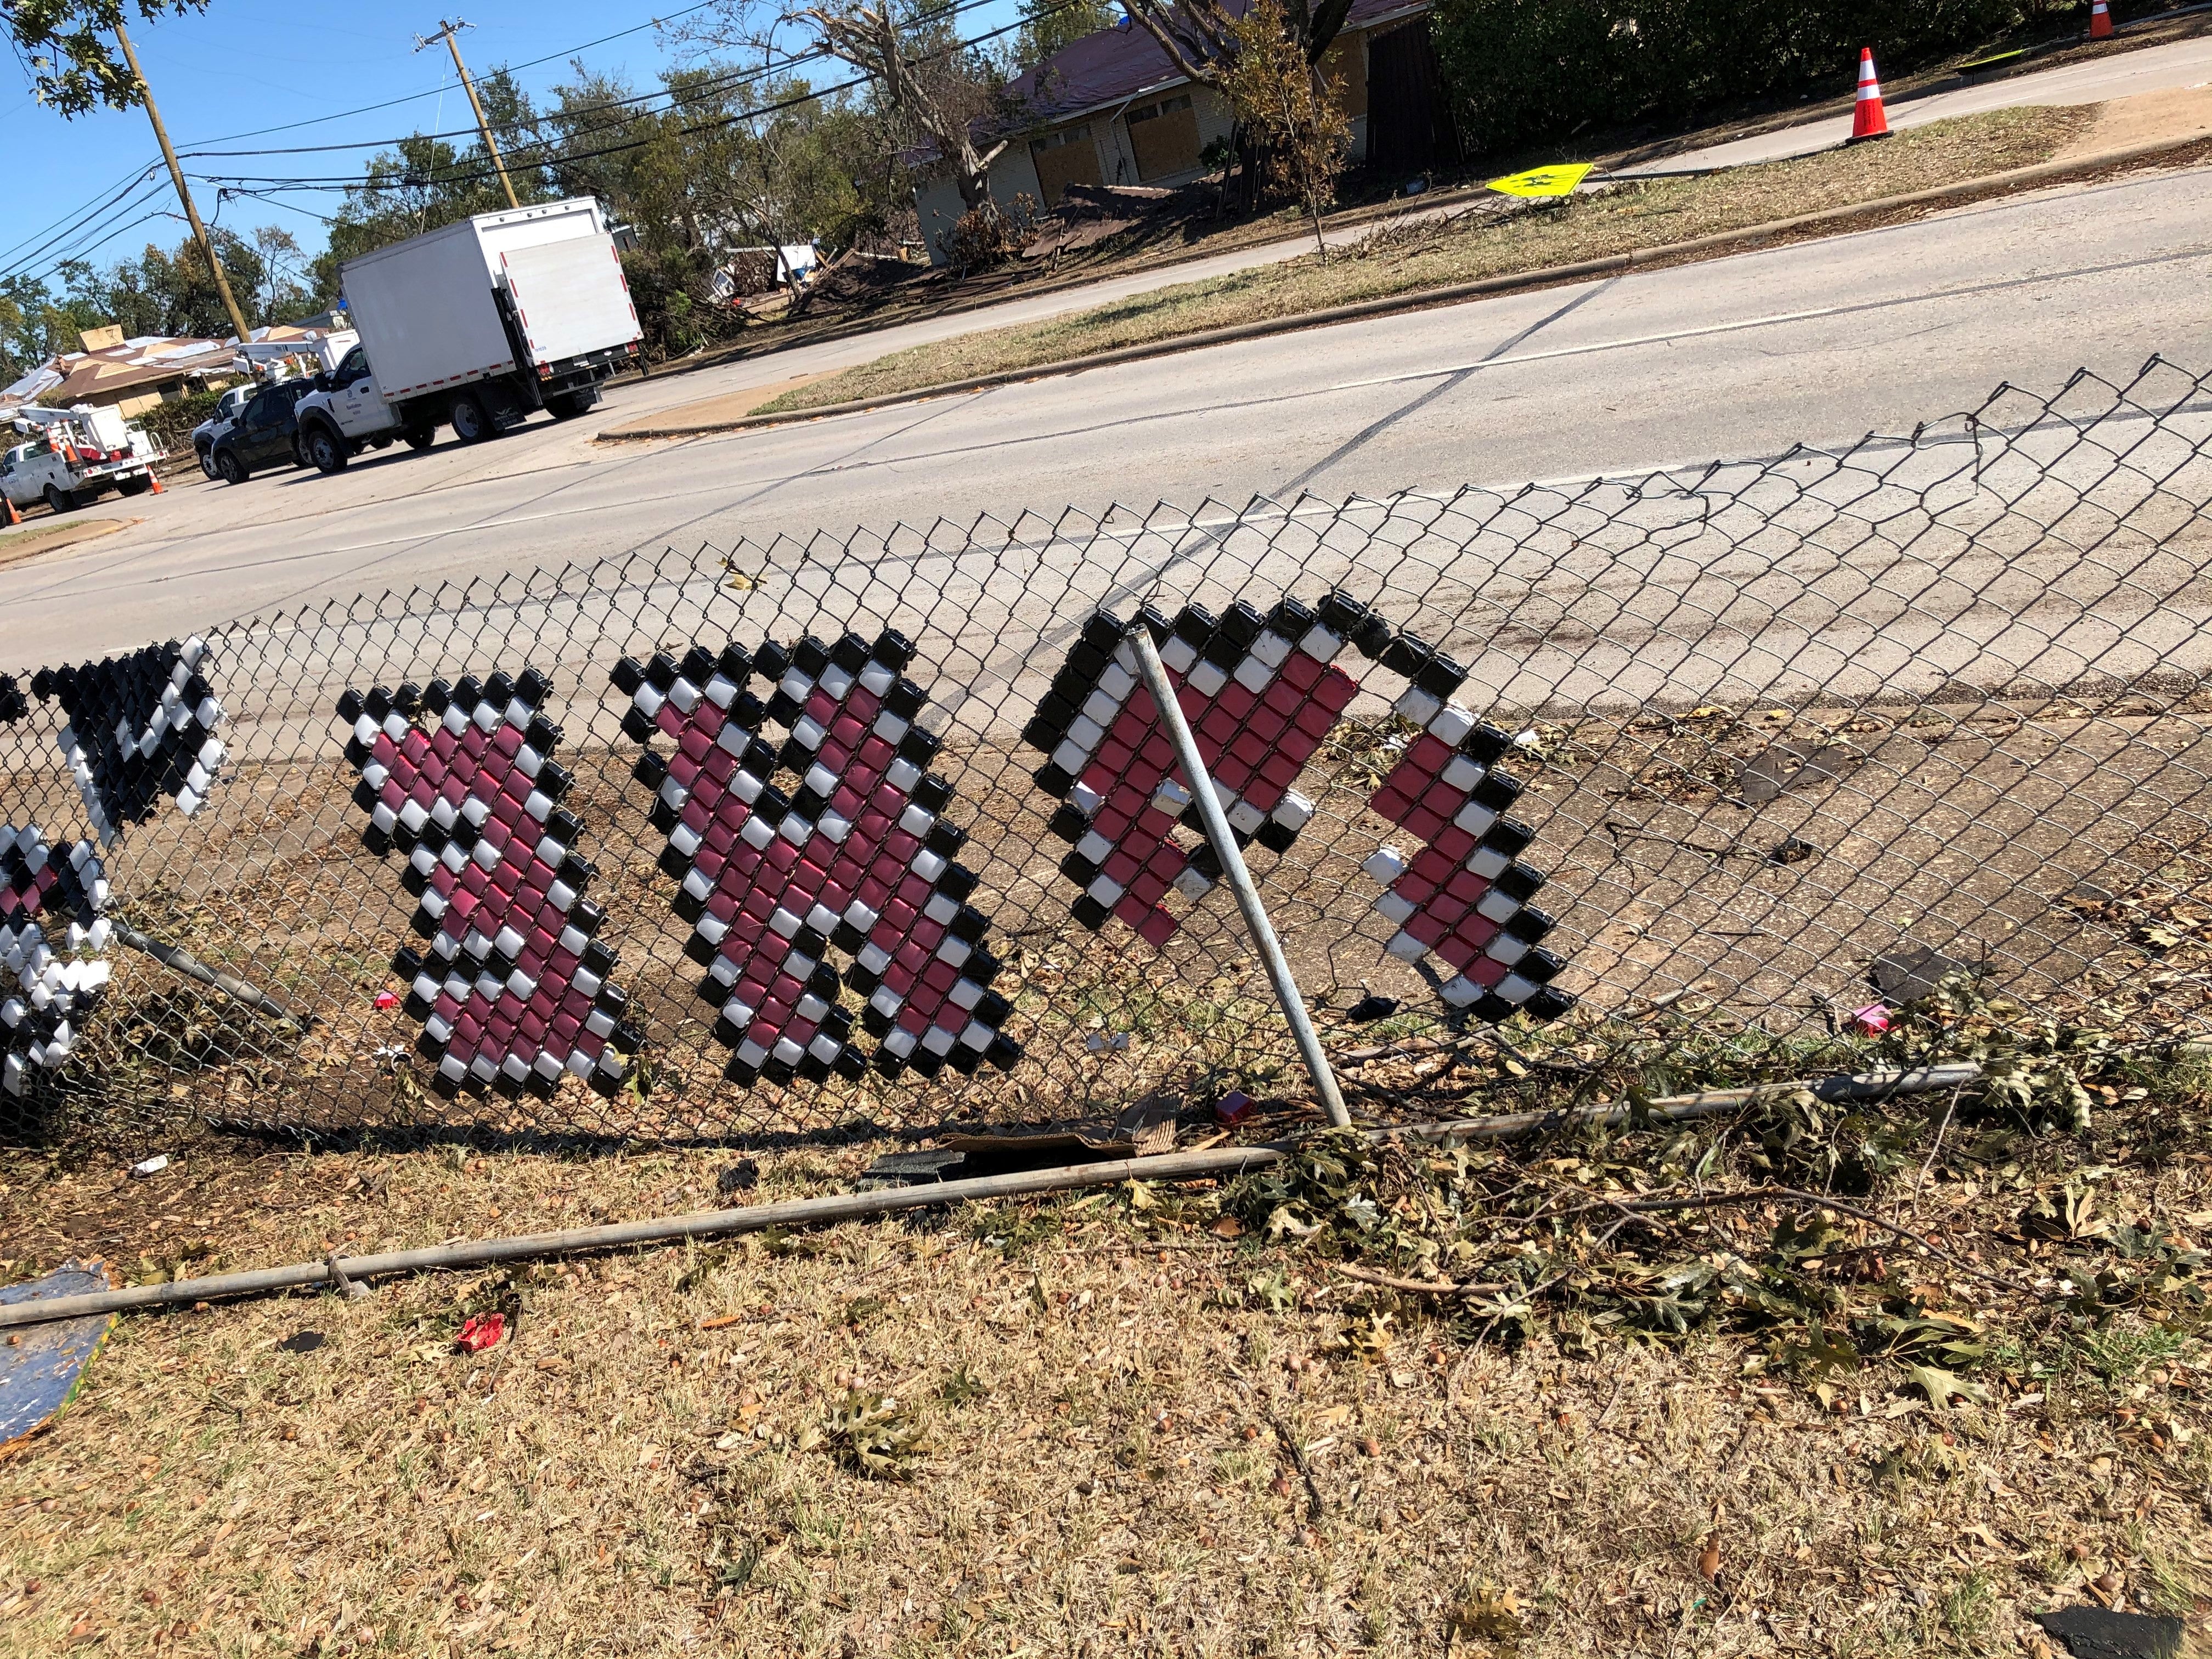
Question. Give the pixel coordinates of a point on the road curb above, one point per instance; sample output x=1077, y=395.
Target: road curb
x=1991, y=184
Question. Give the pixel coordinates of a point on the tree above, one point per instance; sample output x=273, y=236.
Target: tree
x=1296, y=116
x=281, y=292
x=937, y=90
x=35, y=324
x=66, y=45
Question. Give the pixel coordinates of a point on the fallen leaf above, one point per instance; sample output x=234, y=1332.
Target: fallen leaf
x=1941, y=1386
x=1709, y=1559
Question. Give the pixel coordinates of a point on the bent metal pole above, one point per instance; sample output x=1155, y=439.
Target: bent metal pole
x=1240, y=878
x=338, y=1271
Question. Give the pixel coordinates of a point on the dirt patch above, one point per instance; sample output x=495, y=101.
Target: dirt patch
x=1405, y=257
x=2149, y=118
x=19, y=544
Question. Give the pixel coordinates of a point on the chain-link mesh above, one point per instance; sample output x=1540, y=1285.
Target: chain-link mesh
x=1762, y=726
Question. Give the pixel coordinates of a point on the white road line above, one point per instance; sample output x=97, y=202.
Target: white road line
x=1772, y=319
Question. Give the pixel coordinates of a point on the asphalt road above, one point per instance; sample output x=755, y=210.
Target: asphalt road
x=1817, y=343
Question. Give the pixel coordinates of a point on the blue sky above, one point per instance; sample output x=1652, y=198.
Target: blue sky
x=247, y=64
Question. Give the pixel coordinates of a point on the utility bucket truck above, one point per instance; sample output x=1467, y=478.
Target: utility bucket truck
x=475, y=326
x=75, y=456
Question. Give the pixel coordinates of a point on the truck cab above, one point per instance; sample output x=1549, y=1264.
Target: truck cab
x=348, y=415
x=227, y=409
x=263, y=434
x=26, y=470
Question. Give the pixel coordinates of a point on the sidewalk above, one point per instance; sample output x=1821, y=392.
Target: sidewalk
x=2176, y=66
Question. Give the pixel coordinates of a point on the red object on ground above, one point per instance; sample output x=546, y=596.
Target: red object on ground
x=1233, y=1107
x=1868, y=119
x=481, y=1331
x=2100, y=21
x=1871, y=1020
x=387, y=999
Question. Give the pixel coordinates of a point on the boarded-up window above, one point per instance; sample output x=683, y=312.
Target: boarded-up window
x=1164, y=137
x=1064, y=158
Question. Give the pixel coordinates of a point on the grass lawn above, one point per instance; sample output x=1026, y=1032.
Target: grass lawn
x=1147, y=1420
x=1406, y=257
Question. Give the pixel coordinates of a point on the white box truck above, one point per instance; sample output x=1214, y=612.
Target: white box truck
x=474, y=327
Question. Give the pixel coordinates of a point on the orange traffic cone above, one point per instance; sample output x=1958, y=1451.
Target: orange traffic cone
x=13, y=518
x=160, y=489
x=2100, y=21
x=1869, y=120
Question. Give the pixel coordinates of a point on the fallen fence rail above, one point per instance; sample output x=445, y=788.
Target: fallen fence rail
x=346, y=1271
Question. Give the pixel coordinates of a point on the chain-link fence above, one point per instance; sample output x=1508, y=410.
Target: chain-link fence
x=880, y=827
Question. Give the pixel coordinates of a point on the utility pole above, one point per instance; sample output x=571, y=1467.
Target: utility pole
x=177, y=177
x=447, y=33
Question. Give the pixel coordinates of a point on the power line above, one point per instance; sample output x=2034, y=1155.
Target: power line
x=676, y=96
x=77, y=237
x=267, y=187
x=329, y=182
x=40, y=275
x=77, y=215
x=415, y=97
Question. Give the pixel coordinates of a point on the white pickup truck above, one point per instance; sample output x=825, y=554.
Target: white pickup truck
x=476, y=325
x=80, y=454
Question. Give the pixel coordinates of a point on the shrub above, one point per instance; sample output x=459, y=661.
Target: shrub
x=1527, y=71
x=170, y=425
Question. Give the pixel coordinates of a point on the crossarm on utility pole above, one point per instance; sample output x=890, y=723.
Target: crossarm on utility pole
x=450, y=34
x=1225, y=846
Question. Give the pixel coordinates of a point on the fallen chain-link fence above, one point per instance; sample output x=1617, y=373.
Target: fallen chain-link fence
x=881, y=829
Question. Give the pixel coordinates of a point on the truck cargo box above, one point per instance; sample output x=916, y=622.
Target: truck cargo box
x=429, y=311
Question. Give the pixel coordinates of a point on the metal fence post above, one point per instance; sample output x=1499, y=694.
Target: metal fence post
x=1240, y=878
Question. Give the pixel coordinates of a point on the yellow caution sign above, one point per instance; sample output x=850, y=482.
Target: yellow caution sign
x=1542, y=181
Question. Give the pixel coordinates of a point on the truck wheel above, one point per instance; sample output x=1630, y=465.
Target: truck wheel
x=137, y=484
x=470, y=418
x=59, y=500
x=420, y=438
x=206, y=462
x=325, y=453
x=570, y=405
x=229, y=468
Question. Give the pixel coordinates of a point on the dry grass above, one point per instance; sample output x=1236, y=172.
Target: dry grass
x=1402, y=259
x=651, y=1465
